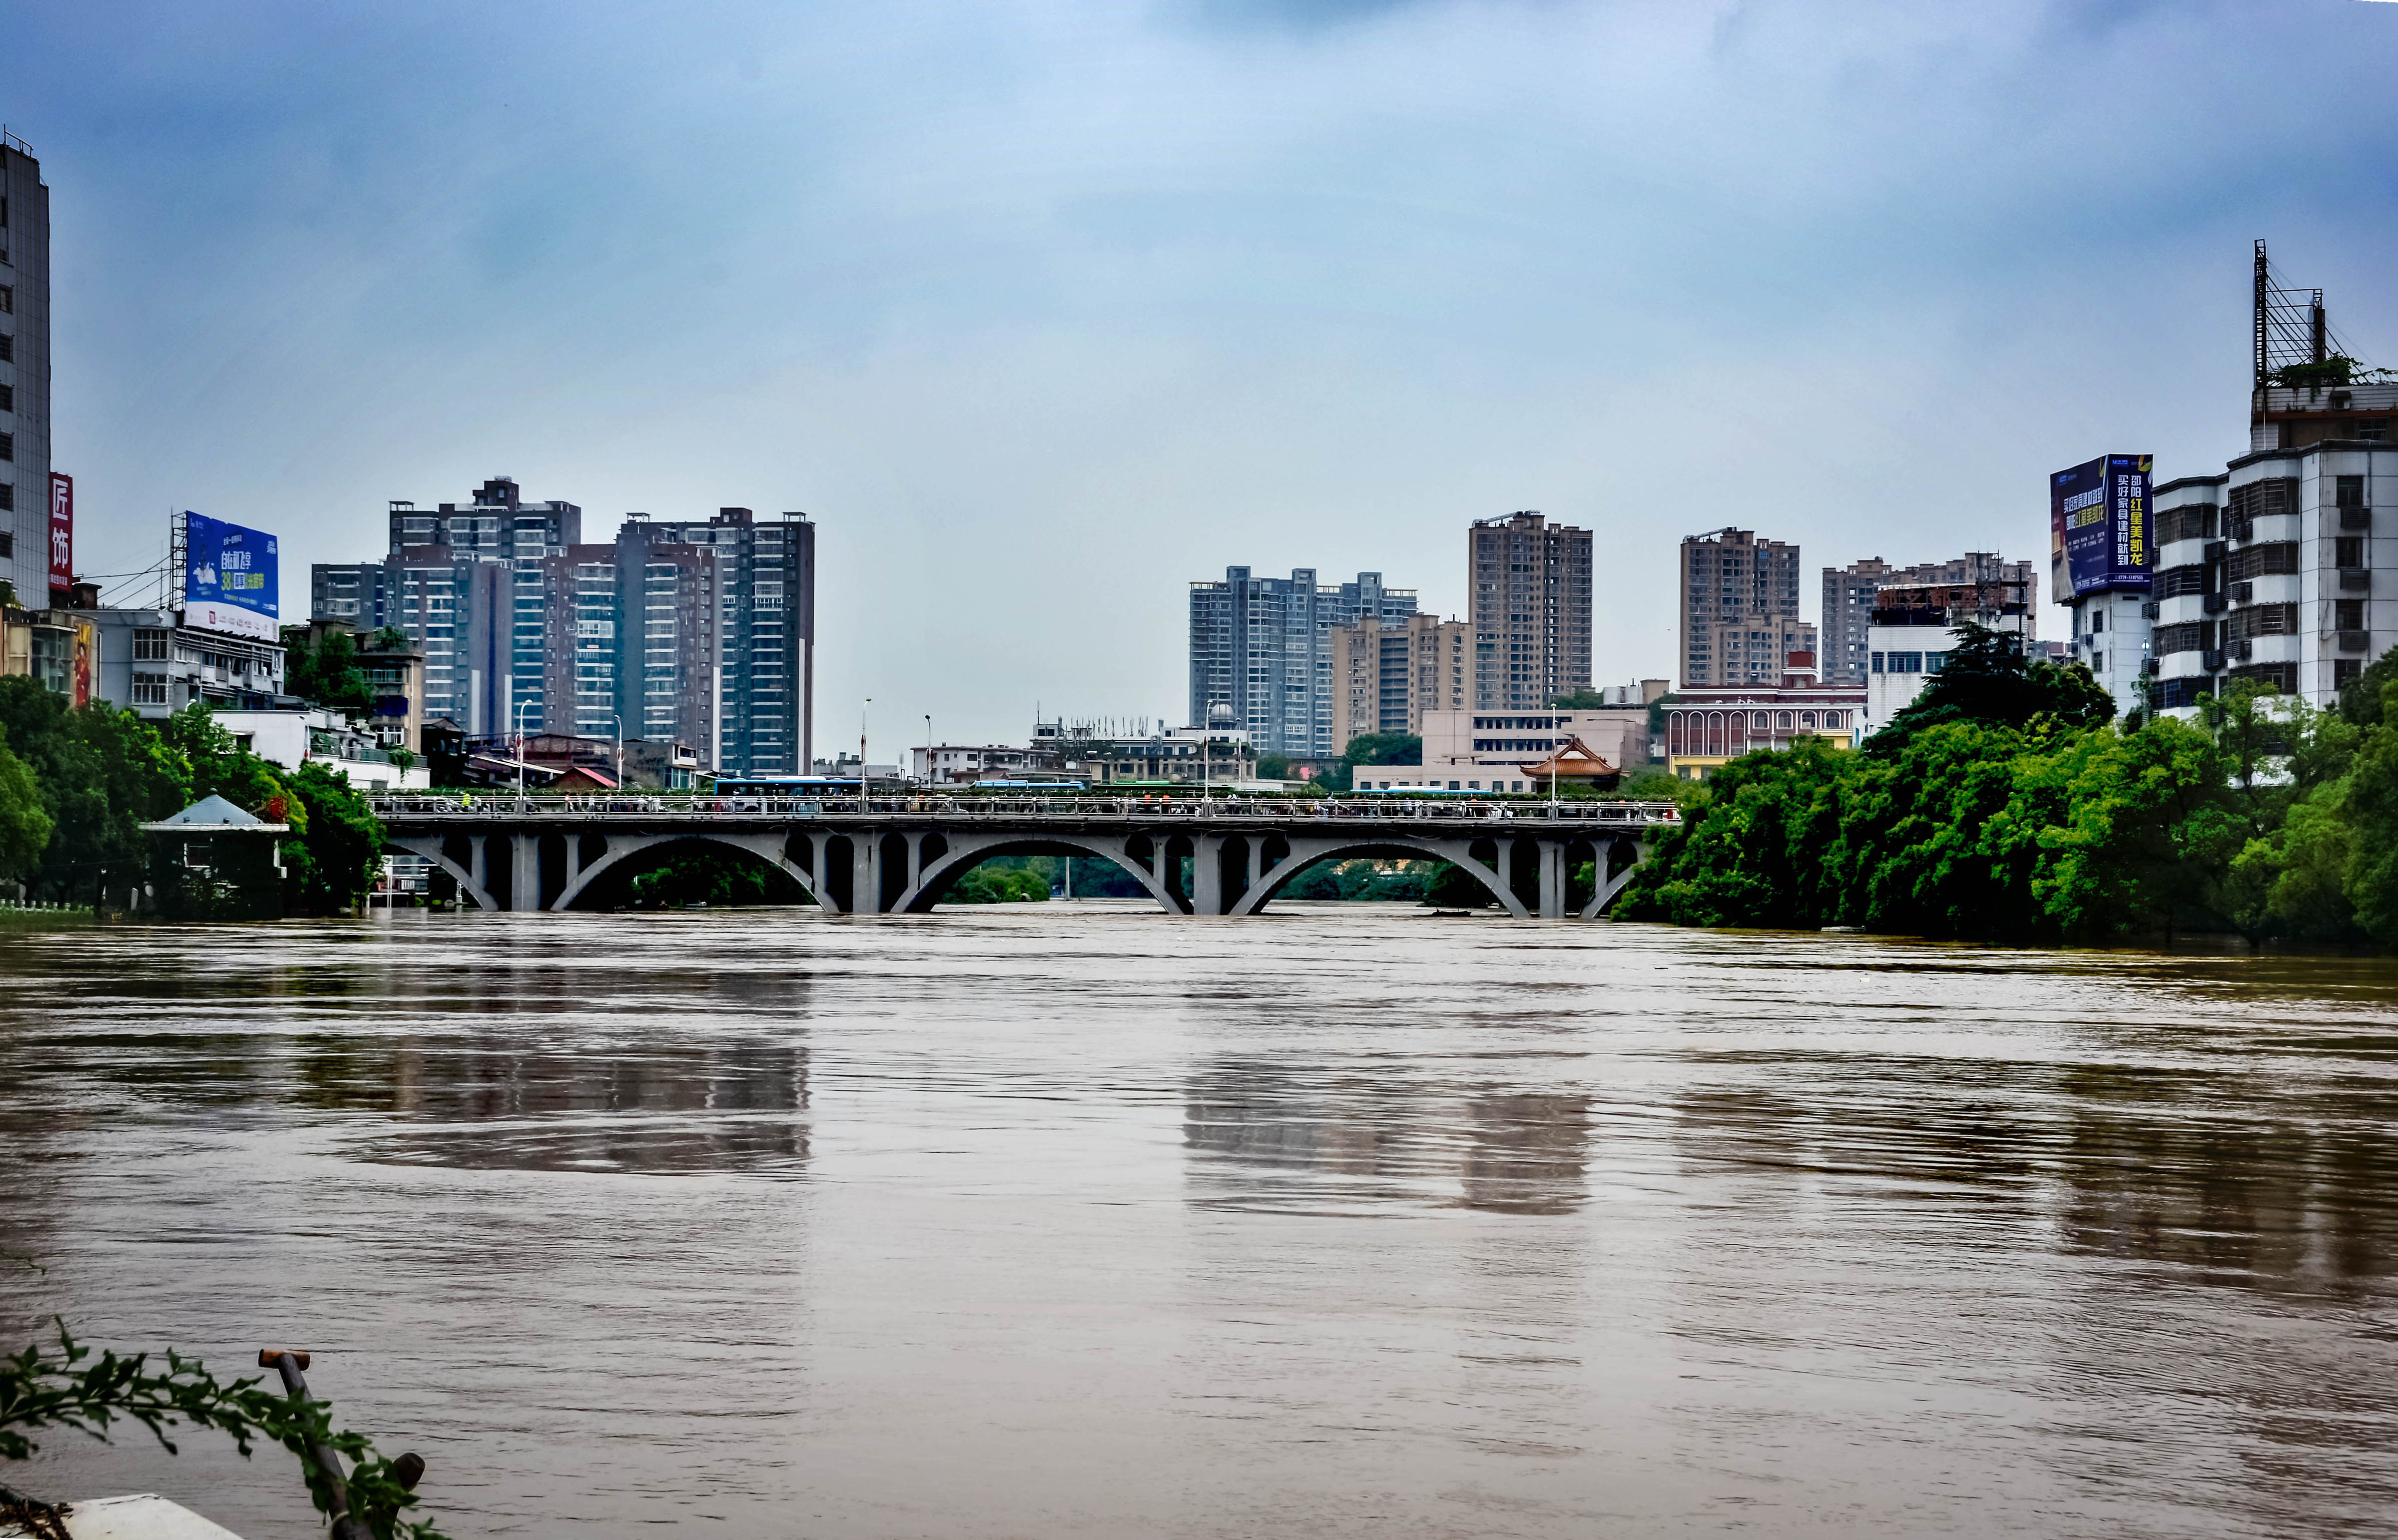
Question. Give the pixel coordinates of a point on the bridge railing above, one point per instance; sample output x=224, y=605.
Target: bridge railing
x=1231, y=811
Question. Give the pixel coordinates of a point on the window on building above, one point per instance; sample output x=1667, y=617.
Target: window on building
x=7, y=300
x=1878, y=661
x=2350, y=614
x=2348, y=492
x=149, y=690
x=7, y=349
x=2097, y=621
x=2344, y=671
x=7, y=445
x=8, y=498
x=149, y=647
x=8, y=398
x=2348, y=552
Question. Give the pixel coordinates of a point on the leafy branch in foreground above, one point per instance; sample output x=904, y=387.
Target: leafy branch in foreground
x=72, y=1389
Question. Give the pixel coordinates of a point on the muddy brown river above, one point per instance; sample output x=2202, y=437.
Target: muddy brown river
x=1353, y=1221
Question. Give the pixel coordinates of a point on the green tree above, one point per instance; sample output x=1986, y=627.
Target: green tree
x=327, y=674
x=341, y=841
x=2360, y=699
x=2367, y=804
x=103, y=773
x=2146, y=831
x=1585, y=699
x=25, y=823
x=1985, y=678
x=1383, y=748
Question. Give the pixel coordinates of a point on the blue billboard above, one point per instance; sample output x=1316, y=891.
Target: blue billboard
x=2099, y=525
x=230, y=579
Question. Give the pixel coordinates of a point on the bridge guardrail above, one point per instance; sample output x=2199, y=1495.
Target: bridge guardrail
x=1227, y=809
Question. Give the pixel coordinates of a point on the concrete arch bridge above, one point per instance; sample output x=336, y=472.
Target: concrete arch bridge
x=1224, y=856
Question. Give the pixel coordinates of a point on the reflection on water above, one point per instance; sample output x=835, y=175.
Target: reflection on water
x=1089, y=1222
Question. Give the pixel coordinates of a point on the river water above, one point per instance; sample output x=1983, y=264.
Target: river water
x=1051, y=1221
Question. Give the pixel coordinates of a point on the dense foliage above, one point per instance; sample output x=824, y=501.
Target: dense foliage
x=2004, y=807
x=69, y=1388
x=76, y=784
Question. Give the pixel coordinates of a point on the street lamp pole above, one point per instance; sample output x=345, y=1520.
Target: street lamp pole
x=620, y=749
x=928, y=748
x=518, y=711
x=863, y=786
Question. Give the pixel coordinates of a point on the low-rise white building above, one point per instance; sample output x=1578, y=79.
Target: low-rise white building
x=313, y=735
x=1913, y=628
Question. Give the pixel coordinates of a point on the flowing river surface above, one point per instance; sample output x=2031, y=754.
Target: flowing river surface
x=1351, y=1221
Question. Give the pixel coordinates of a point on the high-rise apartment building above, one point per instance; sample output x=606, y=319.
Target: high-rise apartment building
x=1740, y=609
x=24, y=374
x=1531, y=610
x=1387, y=674
x=701, y=631
x=1262, y=653
x=1849, y=601
x=766, y=572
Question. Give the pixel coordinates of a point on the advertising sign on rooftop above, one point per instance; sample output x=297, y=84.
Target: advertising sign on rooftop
x=62, y=529
x=230, y=581
x=2099, y=525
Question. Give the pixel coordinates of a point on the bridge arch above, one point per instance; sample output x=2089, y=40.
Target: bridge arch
x=1306, y=852
x=941, y=868
x=768, y=847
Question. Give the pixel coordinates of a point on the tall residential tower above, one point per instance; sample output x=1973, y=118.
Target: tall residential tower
x=1740, y=609
x=24, y=374
x=1529, y=583
x=1262, y=654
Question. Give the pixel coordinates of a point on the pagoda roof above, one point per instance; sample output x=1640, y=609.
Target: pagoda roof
x=1572, y=760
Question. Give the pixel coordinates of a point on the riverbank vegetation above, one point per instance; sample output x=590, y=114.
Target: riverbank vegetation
x=76, y=784
x=2005, y=805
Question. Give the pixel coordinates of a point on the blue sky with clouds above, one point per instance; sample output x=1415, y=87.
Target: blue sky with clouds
x=1045, y=310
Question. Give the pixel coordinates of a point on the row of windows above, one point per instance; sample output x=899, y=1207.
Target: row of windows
x=1909, y=662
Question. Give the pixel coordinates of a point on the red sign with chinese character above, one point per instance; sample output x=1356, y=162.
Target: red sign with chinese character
x=62, y=529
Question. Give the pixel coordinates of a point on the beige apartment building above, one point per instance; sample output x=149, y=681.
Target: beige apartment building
x=1388, y=674
x=1740, y=609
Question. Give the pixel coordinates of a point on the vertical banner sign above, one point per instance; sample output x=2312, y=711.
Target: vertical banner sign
x=2127, y=507
x=62, y=529
x=2099, y=525
x=86, y=643
x=230, y=579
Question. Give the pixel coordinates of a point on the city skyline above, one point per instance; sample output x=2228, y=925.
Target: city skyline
x=1286, y=286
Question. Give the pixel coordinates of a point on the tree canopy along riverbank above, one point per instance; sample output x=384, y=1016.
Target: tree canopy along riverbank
x=2005, y=805
x=77, y=783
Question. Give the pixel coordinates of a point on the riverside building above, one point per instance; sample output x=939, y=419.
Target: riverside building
x=1913, y=627
x=1851, y=593
x=1262, y=653
x=1740, y=609
x=2274, y=571
x=25, y=492
x=1530, y=587
x=1705, y=728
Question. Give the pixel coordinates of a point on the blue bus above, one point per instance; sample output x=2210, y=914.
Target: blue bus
x=786, y=786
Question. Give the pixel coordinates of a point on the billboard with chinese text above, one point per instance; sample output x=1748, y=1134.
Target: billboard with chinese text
x=230, y=579
x=62, y=529
x=2098, y=525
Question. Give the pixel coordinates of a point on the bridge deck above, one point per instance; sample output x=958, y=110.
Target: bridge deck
x=886, y=855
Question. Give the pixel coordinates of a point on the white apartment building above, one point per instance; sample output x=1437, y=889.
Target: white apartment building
x=2282, y=581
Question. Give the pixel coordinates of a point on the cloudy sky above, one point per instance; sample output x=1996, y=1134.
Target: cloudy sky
x=1043, y=311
